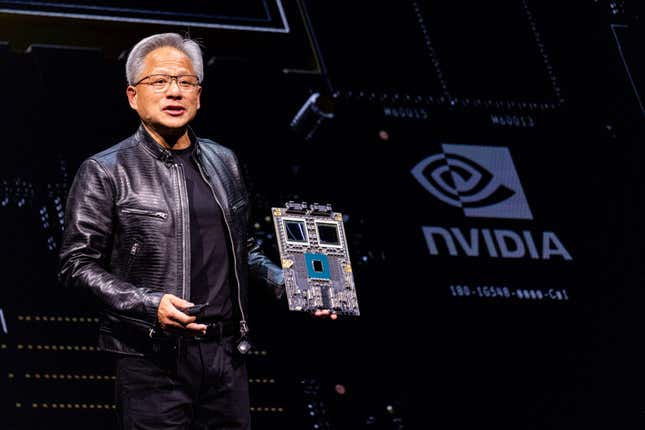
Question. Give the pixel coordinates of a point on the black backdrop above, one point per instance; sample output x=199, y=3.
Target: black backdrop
x=557, y=85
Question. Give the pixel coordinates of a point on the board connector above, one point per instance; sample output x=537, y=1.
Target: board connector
x=317, y=209
x=293, y=207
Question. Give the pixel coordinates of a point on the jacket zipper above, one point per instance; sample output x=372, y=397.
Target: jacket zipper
x=183, y=203
x=156, y=214
x=237, y=205
x=244, y=328
x=133, y=254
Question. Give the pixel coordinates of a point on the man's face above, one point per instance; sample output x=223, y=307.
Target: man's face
x=170, y=110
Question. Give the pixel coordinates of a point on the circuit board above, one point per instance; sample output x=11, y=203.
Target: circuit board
x=315, y=258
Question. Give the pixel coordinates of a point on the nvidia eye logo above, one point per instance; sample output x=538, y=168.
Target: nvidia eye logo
x=481, y=180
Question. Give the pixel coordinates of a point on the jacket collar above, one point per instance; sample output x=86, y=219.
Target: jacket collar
x=143, y=137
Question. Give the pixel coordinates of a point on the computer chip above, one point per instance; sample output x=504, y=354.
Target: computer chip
x=315, y=258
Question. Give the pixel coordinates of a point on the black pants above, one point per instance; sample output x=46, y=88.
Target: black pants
x=198, y=385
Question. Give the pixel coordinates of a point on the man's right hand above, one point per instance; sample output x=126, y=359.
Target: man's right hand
x=171, y=318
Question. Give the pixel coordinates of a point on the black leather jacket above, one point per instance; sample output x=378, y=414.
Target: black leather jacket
x=127, y=235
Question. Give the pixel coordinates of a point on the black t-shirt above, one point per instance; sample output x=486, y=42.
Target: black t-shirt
x=209, y=244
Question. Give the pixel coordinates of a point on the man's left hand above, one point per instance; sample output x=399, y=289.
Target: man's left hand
x=325, y=313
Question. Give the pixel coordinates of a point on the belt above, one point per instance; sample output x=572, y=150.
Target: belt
x=216, y=330
x=165, y=342
x=154, y=340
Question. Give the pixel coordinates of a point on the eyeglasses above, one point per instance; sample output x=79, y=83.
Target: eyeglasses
x=161, y=83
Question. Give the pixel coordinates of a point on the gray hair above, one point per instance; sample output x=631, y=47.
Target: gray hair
x=137, y=56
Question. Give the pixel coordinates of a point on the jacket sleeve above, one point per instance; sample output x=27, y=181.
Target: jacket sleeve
x=87, y=244
x=262, y=269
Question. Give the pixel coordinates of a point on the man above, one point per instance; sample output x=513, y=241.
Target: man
x=155, y=225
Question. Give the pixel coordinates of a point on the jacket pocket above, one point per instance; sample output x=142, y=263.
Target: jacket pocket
x=145, y=212
x=121, y=325
x=135, y=321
